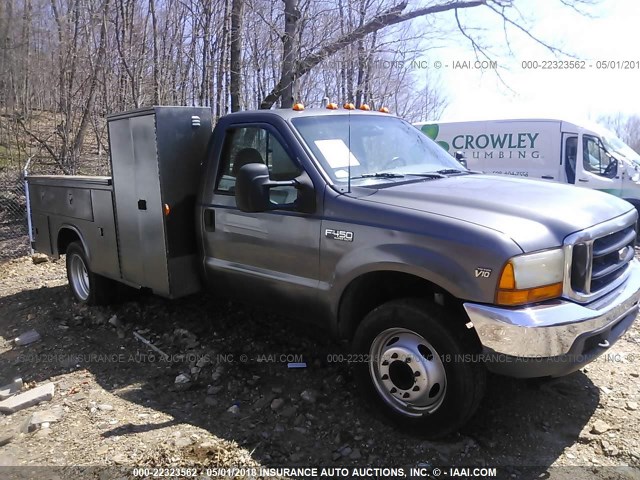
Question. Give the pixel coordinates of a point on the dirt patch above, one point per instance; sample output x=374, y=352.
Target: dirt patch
x=224, y=394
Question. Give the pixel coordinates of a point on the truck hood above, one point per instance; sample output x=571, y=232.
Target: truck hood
x=534, y=214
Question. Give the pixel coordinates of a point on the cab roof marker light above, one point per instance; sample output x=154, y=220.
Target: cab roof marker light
x=332, y=106
x=364, y=106
x=349, y=106
x=384, y=110
x=298, y=107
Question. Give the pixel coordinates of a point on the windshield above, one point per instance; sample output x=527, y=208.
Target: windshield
x=372, y=147
x=615, y=145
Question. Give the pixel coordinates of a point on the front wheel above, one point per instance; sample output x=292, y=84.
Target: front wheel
x=86, y=286
x=417, y=372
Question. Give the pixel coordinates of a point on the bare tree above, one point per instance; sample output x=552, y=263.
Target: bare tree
x=392, y=16
x=627, y=128
x=156, y=61
x=236, y=54
x=65, y=64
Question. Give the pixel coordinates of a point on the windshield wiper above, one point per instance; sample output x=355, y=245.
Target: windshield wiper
x=379, y=175
x=427, y=175
x=449, y=171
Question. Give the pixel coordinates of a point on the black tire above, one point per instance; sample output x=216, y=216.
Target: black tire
x=453, y=388
x=86, y=286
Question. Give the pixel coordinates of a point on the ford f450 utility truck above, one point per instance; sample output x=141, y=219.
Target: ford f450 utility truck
x=358, y=222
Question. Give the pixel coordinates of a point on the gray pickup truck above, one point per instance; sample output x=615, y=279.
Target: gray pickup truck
x=355, y=221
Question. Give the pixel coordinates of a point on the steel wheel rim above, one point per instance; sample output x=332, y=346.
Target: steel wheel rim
x=79, y=277
x=407, y=372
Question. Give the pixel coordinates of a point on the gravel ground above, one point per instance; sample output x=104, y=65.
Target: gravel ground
x=224, y=396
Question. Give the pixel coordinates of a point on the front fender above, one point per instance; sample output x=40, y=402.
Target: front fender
x=465, y=266
x=446, y=272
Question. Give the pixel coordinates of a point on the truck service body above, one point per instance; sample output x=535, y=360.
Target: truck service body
x=577, y=153
x=358, y=222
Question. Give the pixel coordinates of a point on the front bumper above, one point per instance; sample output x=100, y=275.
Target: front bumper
x=556, y=337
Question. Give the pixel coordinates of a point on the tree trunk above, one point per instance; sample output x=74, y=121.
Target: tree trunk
x=288, y=78
x=220, y=103
x=235, y=54
x=154, y=26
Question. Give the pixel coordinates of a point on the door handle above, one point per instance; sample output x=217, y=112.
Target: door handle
x=583, y=180
x=547, y=177
x=209, y=220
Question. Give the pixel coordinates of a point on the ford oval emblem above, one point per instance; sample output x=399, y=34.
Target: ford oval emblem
x=622, y=253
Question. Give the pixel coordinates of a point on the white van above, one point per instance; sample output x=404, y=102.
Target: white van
x=544, y=149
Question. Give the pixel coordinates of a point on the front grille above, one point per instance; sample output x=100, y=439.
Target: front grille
x=611, y=256
x=600, y=258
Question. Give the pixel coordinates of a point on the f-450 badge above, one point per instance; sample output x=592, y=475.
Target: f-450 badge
x=482, y=272
x=342, y=235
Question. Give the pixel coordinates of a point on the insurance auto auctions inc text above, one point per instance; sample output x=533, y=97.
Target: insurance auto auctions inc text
x=354, y=472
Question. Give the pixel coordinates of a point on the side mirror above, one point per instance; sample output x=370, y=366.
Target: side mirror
x=460, y=158
x=253, y=185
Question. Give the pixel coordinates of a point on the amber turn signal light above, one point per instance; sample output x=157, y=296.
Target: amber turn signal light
x=508, y=294
x=529, y=295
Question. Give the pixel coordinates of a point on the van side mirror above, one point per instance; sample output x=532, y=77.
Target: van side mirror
x=460, y=158
x=253, y=185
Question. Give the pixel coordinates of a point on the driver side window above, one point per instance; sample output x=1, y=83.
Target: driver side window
x=595, y=158
x=246, y=145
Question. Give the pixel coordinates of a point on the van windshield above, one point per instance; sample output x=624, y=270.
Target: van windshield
x=615, y=145
x=373, y=148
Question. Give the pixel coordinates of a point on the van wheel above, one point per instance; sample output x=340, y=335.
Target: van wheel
x=86, y=286
x=414, y=369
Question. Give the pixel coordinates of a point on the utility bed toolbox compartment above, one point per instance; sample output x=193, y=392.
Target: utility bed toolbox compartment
x=155, y=160
x=81, y=204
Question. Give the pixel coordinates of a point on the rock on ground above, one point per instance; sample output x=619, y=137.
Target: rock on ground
x=27, y=399
x=10, y=389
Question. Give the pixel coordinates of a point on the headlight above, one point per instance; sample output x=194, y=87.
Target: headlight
x=531, y=277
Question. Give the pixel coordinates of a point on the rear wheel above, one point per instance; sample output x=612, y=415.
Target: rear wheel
x=86, y=286
x=416, y=372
